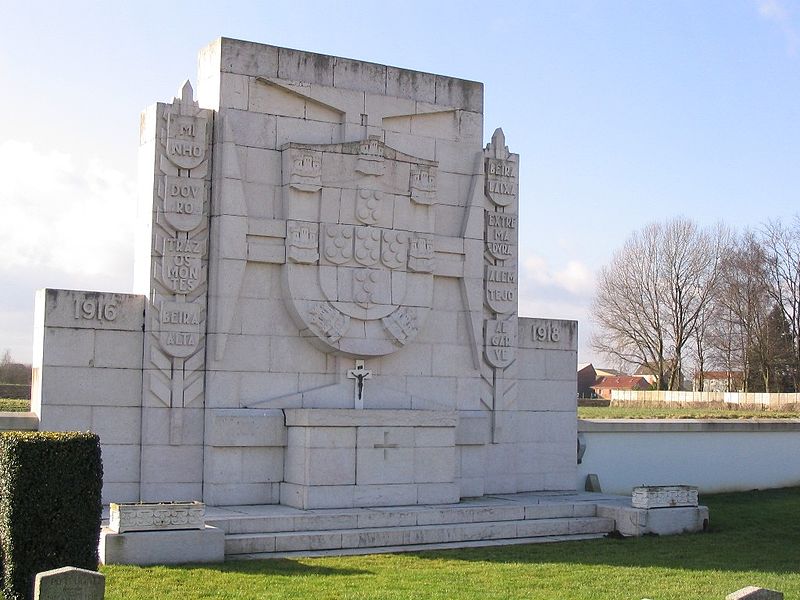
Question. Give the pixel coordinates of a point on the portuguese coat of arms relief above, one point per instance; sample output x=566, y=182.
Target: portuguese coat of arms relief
x=358, y=277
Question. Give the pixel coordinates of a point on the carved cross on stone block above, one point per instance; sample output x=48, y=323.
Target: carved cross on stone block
x=359, y=374
x=385, y=445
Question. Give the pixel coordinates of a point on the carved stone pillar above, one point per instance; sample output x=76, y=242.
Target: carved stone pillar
x=171, y=269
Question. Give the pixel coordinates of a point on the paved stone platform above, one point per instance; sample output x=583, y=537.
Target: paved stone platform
x=278, y=531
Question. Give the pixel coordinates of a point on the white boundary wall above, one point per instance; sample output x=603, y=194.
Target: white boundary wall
x=716, y=455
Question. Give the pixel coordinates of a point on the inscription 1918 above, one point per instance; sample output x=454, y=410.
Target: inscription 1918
x=546, y=332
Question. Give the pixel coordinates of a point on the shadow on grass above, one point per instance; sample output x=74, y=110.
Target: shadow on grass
x=751, y=531
x=274, y=566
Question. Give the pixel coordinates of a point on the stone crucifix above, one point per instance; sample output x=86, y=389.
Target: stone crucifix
x=359, y=374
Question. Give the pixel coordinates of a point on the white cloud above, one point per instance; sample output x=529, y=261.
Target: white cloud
x=63, y=224
x=574, y=277
x=75, y=218
x=561, y=292
x=777, y=12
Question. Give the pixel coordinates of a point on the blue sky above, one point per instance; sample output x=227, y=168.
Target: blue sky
x=622, y=112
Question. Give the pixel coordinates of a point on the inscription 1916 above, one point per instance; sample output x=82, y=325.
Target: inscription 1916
x=90, y=309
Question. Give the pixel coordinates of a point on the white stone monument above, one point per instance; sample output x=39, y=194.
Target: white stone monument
x=326, y=315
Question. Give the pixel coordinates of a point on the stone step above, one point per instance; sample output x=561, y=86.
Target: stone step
x=377, y=537
x=332, y=519
x=547, y=539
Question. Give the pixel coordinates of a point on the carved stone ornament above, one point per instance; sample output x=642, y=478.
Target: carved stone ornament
x=501, y=288
x=361, y=282
x=186, y=140
x=501, y=235
x=501, y=170
x=423, y=184
x=179, y=328
x=664, y=496
x=156, y=516
x=183, y=201
x=501, y=342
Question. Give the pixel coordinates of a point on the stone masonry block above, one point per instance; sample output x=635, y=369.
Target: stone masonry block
x=434, y=465
x=247, y=58
x=120, y=349
x=411, y=84
x=359, y=75
x=117, y=424
x=172, y=464
x=245, y=427
x=70, y=347
x=297, y=65
x=120, y=463
x=78, y=386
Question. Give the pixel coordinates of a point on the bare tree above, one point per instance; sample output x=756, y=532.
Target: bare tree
x=741, y=306
x=781, y=245
x=651, y=297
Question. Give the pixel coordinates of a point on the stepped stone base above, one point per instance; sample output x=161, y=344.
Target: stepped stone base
x=273, y=530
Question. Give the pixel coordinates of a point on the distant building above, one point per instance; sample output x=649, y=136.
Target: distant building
x=719, y=381
x=605, y=385
x=650, y=373
x=602, y=372
x=587, y=376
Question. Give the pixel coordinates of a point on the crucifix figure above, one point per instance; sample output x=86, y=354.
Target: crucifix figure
x=359, y=374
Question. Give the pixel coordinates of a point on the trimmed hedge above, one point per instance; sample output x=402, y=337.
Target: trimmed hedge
x=15, y=391
x=50, y=507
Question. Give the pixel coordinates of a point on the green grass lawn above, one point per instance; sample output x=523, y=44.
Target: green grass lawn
x=12, y=405
x=681, y=412
x=754, y=540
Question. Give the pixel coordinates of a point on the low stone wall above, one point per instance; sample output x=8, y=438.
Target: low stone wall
x=716, y=455
x=772, y=400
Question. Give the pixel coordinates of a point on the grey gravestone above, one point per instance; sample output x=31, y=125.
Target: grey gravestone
x=752, y=592
x=593, y=483
x=69, y=583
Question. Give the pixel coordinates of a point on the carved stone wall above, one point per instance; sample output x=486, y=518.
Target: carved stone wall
x=173, y=273
x=329, y=238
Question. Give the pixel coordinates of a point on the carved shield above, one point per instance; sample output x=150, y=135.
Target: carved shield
x=501, y=342
x=369, y=286
x=367, y=245
x=369, y=206
x=182, y=265
x=502, y=185
x=501, y=288
x=179, y=328
x=338, y=243
x=183, y=202
x=186, y=140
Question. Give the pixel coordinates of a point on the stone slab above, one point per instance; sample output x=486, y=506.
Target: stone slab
x=660, y=521
x=69, y=583
x=319, y=417
x=752, y=592
x=18, y=421
x=664, y=496
x=162, y=547
x=245, y=428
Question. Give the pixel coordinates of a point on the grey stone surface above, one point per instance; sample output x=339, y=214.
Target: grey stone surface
x=328, y=311
x=162, y=547
x=661, y=521
x=69, y=583
x=752, y=592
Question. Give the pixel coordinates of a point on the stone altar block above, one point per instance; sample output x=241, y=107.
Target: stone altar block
x=346, y=458
x=326, y=283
